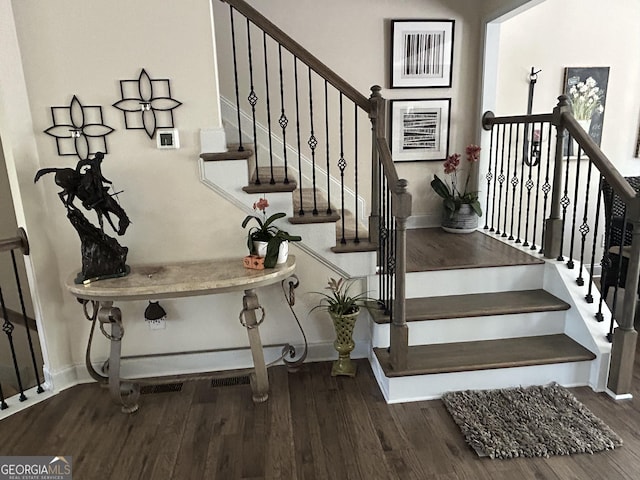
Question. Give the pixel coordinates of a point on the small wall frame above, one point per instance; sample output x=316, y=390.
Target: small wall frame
x=420, y=129
x=421, y=53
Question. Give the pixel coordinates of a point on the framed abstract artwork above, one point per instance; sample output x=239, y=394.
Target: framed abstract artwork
x=421, y=53
x=420, y=129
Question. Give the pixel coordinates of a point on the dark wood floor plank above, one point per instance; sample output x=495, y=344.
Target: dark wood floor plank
x=323, y=427
x=434, y=249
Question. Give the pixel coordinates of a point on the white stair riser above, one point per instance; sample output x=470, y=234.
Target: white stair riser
x=474, y=280
x=429, y=387
x=471, y=329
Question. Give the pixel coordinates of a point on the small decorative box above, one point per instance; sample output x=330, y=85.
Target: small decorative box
x=254, y=262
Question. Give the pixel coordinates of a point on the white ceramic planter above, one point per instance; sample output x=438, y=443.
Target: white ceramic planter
x=283, y=251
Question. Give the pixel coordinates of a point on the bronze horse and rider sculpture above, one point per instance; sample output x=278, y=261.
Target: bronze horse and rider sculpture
x=102, y=256
x=88, y=186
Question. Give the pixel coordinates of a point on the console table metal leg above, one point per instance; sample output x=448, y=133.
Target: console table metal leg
x=123, y=393
x=259, y=379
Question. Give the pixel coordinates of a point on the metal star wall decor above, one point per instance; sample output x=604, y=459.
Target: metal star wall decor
x=147, y=104
x=79, y=129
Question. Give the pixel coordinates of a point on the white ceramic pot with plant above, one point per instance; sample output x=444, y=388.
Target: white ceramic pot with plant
x=266, y=239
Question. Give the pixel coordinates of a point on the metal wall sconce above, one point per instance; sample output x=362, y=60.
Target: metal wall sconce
x=79, y=129
x=147, y=103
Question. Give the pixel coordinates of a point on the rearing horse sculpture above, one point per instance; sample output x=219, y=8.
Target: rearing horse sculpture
x=88, y=186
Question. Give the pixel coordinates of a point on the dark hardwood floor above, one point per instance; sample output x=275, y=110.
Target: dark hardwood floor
x=312, y=427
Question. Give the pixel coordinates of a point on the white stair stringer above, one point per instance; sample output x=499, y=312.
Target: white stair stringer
x=227, y=179
x=578, y=323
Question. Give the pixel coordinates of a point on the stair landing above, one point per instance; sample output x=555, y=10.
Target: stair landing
x=432, y=249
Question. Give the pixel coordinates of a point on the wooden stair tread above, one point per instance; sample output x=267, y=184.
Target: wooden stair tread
x=477, y=305
x=351, y=246
x=232, y=154
x=486, y=354
x=266, y=185
x=303, y=199
x=431, y=249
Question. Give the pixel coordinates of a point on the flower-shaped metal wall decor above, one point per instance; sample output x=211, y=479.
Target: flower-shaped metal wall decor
x=146, y=103
x=79, y=129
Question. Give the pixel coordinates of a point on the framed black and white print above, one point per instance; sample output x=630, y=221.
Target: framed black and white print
x=420, y=129
x=421, y=53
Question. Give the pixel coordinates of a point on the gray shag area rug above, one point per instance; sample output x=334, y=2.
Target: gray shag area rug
x=528, y=422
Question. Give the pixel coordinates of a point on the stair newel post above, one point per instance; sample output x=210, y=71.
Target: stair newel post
x=377, y=117
x=399, y=341
x=553, y=225
x=625, y=336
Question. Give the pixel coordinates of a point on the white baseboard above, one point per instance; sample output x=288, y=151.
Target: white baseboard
x=615, y=396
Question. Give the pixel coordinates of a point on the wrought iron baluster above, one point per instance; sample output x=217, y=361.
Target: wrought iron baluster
x=538, y=163
x=570, y=263
x=313, y=143
x=355, y=164
x=272, y=180
x=546, y=188
x=8, y=328
x=606, y=256
x=506, y=198
x=283, y=121
x=529, y=184
x=501, y=177
x=23, y=310
x=235, y=76
x=584, y=227
x=342, y=164
x=589, y=295
x=616, y=288
x=515, y=182
x=489, y=176
x=328, y=156
x=253, y=100
x=295, y=76
x=565, y=201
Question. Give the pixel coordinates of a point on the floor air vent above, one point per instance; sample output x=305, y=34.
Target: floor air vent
x=167, y=387
x=228, y=382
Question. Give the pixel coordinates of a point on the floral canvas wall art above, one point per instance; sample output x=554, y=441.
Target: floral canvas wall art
x=586, y=88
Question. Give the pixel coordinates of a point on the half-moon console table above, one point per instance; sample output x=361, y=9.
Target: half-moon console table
x=149, y=282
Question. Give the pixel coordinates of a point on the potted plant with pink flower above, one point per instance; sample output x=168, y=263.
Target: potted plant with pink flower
x=461, y=206
x=266, y=239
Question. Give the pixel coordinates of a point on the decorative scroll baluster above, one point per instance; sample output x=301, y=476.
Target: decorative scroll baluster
x=538, y=163
x=570, y=263
x=501, y=178
x=342, y=164
x=283, y=121
x=546, y=188
x=584, y=227
x=8, y=328
x=272, y=180
x=313, y=143
x=506, y=197
x=235, y=76
x=514, y=182
x=565, y=201
x=489, y=176
x=328, y=156
x=253, y=100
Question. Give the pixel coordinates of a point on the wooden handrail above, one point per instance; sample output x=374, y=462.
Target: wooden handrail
x=300, y=52
x=599, y=159
x=20, y=241
x=489, y=119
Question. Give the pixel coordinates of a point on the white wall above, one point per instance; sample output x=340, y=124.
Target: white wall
x=576, y=33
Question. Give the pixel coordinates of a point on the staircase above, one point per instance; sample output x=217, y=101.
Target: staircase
x=501, y=316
